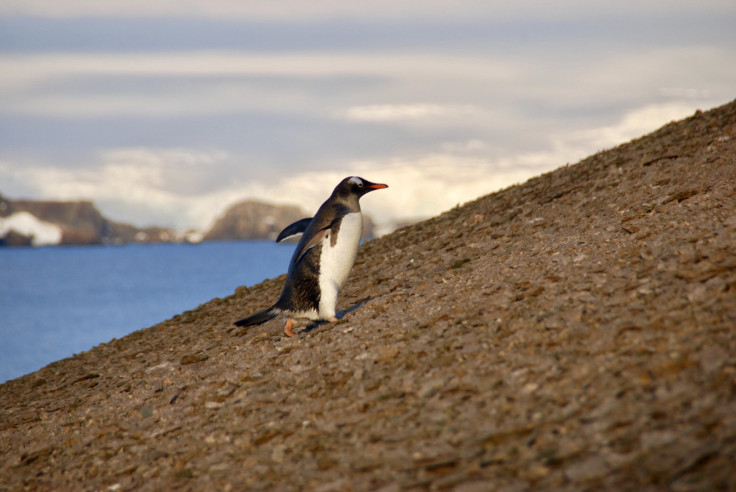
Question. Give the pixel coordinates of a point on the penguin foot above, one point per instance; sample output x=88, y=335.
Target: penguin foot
x=335, y=319
x=288, y=327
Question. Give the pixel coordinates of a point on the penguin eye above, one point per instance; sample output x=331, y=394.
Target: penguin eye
x=360, y=184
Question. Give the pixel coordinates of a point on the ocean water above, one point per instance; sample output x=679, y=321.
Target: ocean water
x=58, y=301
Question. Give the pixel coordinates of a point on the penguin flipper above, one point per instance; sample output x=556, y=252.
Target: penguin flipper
x=297, y=227
x=258, y=318
x=316, y=239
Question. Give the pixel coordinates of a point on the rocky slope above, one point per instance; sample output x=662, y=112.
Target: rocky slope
x=575, y=332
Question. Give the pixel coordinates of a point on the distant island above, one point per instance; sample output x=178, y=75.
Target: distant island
x=56, y=223
x=52, y=223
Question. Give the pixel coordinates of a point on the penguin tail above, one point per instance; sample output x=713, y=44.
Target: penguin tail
x=259, y=318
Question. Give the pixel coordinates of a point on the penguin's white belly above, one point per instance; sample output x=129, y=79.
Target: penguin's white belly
x=337, y=260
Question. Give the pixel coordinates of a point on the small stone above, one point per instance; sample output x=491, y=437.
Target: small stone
x=529, y=388
x=193, y=359
x=278, y=453
x=430, y=388
x=588, y=469
x=537, y=471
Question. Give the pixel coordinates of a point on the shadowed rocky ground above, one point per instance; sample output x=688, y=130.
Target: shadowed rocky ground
x=576, y=332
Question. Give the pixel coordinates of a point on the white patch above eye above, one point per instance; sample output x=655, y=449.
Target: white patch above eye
x=356, y=180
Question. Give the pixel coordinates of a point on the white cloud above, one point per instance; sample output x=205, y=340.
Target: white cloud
x=633, y=124
x=38, y=67
x=428, y=185
x=409, y=112
x=467, y=146
x=684, y=92
x=140, y=185
x=484, y=92
x=328, y=9
x=440, y=125
x=160, y=186
x=133, y=185
x=225, y=82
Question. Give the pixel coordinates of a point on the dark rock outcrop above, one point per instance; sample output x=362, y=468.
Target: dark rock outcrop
x=81, y=223
x=252, y=219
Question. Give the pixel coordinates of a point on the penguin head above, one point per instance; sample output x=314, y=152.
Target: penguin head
x=353, y=187
x=356, y=186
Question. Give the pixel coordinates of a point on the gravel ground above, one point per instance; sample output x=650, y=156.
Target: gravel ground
x=575, y=332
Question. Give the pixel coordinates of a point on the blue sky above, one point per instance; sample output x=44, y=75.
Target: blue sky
x=168, y=112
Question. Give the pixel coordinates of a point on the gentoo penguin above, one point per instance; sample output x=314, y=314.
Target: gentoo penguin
x=322, y=259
